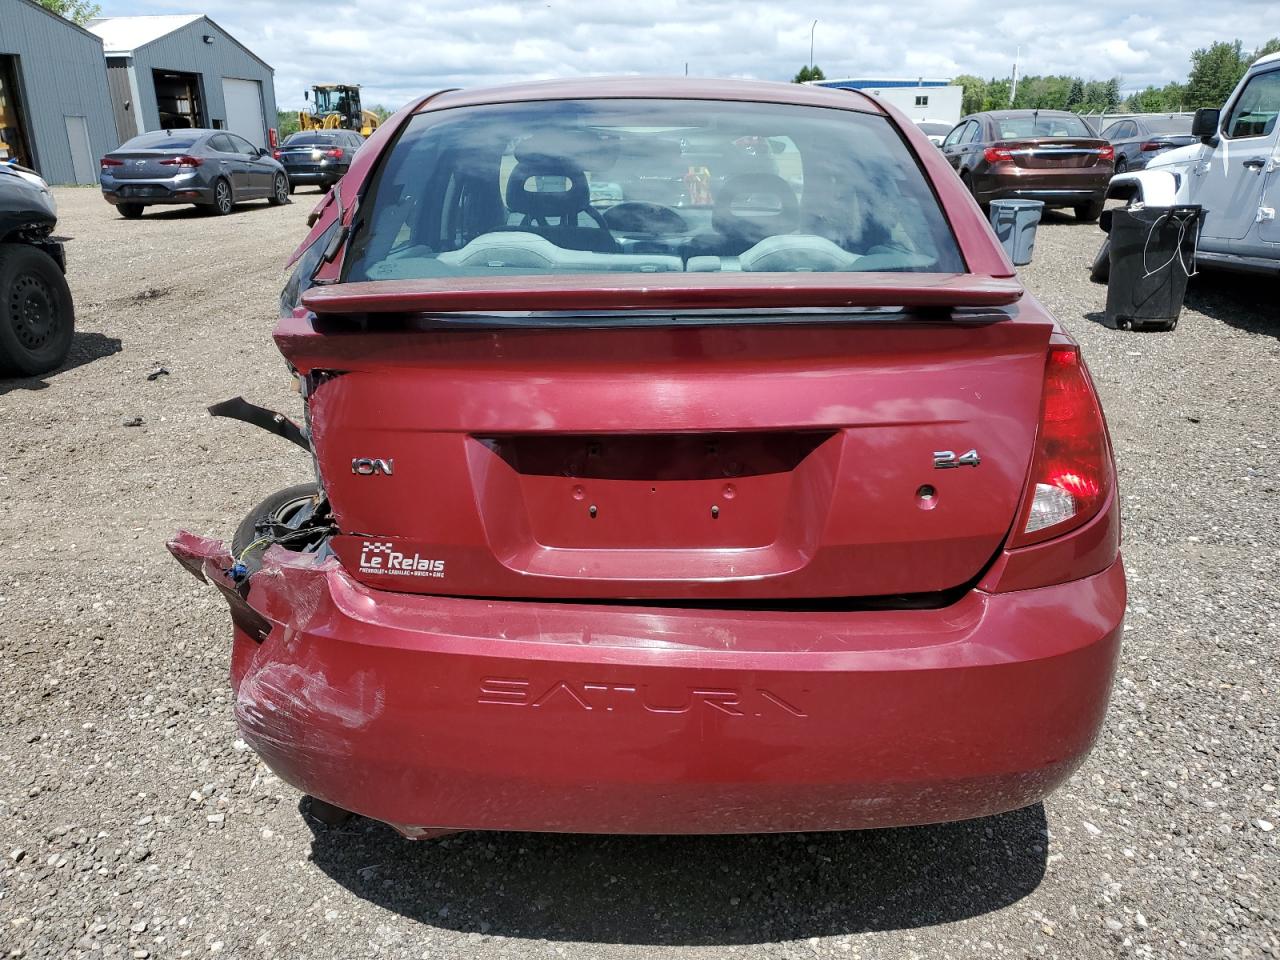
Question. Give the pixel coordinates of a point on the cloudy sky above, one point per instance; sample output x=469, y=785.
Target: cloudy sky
x=398, y=49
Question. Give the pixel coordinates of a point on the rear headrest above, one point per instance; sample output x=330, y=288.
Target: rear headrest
x=524, y=193
x=765, y=222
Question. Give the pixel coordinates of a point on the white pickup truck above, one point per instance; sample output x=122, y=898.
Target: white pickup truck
x=1233, y=173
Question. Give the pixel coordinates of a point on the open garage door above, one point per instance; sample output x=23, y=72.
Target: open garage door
x=243, y=100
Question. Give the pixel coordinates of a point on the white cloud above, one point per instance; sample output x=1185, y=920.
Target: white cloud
x=400, y=49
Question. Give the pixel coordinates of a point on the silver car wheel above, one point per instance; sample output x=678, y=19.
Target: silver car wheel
x=222, y=197
x=282, y=188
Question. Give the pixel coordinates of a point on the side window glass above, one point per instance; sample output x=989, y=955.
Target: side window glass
x=954, y=136
x=1255, y=110
x=971, y=134
x=222, y=143
x=241, y=145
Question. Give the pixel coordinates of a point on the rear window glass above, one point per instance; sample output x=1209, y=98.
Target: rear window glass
x=1016, y=128
x=1169, y=124
x=160, y=141
x=648, y=186
x=307, y=139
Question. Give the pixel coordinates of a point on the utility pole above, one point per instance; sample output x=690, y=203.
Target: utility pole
x=811, y=29
x=1013, y=90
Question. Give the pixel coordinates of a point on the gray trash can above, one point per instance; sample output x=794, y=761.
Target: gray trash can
x=1015, y=222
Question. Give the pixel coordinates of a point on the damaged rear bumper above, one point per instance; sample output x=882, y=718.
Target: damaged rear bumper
x=434, y=713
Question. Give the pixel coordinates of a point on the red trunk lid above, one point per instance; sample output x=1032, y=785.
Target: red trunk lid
x=725, y=461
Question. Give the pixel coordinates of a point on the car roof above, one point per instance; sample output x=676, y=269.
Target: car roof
x=658, y=88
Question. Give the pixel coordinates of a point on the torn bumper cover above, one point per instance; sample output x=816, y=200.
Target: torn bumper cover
x=433, y=713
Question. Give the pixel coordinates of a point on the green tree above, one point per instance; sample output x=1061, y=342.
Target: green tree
x=286, y=123
x=808, y=73
x=1111, y=95
x=975, y=92
x=1147, y=100
x=1175, y=96
x=1056, y=91
x=1270, y=47
x=996, y=95
x=1215, y=71
x=379, y=110
x=1075, y=95
x=1095, y=97
x=77, y=11
x=1043, y=93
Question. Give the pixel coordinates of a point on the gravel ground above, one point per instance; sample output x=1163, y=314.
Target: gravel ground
x=133, y=823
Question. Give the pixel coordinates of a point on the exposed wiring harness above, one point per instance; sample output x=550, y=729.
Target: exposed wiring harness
x=280, y=534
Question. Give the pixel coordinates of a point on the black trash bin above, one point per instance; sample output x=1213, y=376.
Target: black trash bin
x=1153, y=253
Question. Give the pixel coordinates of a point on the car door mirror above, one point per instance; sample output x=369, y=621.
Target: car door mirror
x=1205, y=124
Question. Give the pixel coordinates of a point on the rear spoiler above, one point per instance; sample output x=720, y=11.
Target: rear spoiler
x=663, y=291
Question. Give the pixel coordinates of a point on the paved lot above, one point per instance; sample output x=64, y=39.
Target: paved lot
x=132, y=822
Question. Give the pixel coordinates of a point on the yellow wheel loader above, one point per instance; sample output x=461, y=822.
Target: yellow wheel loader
x=336, y=106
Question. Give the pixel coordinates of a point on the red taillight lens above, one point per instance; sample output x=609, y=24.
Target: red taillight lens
x=275, y=154
x=998, y=154
x=182, y=161
x=1107, y=153
x=1071, y=473
x=1150, y=146
x=335, y=153
x=111, y=162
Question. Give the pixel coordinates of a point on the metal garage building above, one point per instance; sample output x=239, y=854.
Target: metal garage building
x=55, y=113
x=168, y=72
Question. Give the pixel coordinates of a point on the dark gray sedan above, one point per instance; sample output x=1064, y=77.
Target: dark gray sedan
x=321, y=157
x=1138, y=139
x=212, y=169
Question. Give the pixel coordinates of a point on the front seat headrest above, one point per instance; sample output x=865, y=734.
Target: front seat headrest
x=527, y=193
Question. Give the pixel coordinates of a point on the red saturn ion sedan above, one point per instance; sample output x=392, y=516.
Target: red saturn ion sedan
x=775, y=505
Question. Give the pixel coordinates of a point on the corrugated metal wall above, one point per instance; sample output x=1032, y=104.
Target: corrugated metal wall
x=122, y=104
x=185, y=50
x=62, y=74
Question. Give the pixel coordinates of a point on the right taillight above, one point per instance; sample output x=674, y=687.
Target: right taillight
x=1072, y=472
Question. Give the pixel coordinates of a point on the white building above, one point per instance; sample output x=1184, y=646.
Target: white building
x=919, y=98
